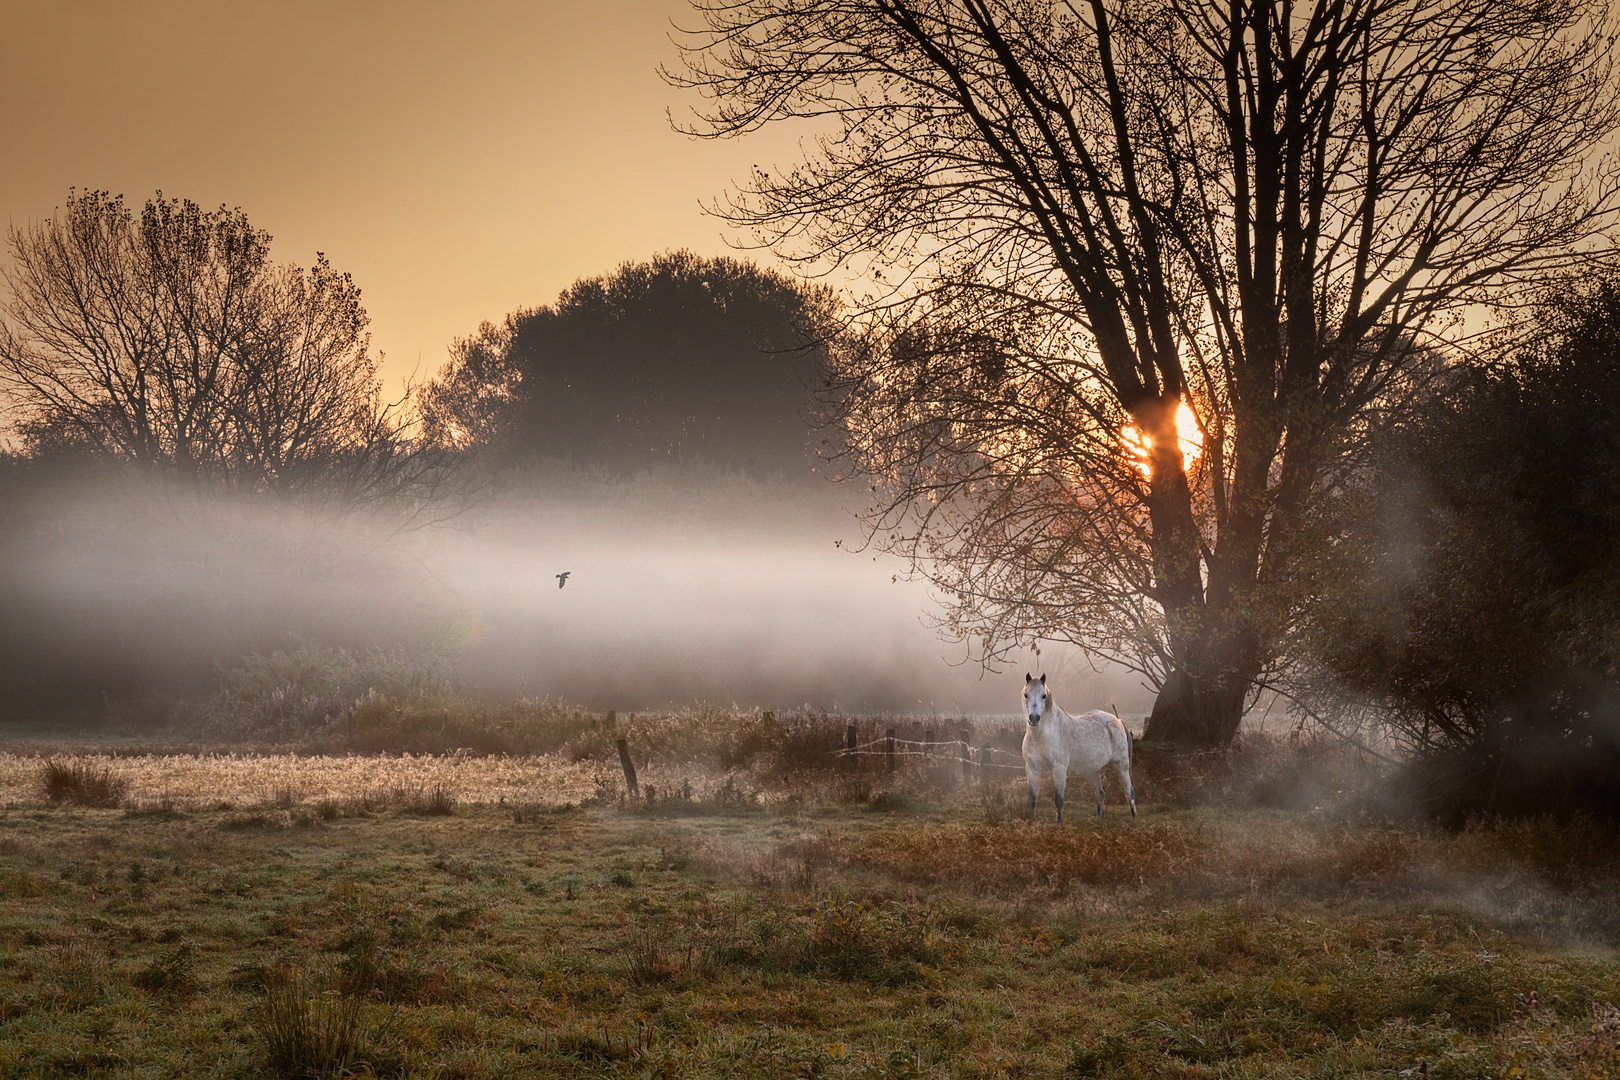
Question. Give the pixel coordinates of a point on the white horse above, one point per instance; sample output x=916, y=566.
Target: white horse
x=1060, y=742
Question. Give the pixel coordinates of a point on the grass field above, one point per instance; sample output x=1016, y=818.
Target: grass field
x=469, y=917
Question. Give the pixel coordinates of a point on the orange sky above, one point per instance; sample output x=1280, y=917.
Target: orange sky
x=459, y=159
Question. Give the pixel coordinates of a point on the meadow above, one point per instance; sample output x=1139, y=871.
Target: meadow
x=248, y=911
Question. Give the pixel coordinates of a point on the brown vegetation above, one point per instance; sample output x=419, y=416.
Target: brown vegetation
x=919, y=928
x=79, y=782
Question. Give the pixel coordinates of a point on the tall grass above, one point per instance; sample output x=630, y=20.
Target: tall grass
x=306, y=1032
x=288, y=696
x=78, y=782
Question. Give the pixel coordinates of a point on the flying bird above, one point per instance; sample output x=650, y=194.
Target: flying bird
x=562, y=578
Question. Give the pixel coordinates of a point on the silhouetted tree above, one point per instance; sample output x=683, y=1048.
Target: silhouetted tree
x=469, y=405
x=173, y=344
x=679, y=358
x=1089, y=214
x=1471, y=595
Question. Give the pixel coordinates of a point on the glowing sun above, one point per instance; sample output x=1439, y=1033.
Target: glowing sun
x=1137, y=444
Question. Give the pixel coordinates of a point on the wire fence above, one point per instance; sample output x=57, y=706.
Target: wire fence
x=940, y=751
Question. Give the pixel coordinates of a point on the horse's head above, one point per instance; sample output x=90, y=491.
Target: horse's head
x=1036, y=699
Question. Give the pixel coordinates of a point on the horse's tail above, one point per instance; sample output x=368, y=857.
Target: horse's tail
x=1130, y=742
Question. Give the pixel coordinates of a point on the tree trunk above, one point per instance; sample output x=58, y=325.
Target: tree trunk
x=1201, y=702
x=1197, y=711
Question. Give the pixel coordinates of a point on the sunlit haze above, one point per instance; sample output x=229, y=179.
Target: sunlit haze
x=460, y=160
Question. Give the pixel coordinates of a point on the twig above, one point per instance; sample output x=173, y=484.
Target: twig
x=1351, y=739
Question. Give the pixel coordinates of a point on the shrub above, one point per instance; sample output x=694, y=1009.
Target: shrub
x=288, y=695
x=1271, y=771
x=81, y=783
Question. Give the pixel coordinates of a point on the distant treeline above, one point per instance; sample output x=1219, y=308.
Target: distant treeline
x=204, y=463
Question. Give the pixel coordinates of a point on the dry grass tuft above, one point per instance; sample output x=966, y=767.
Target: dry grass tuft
x=81, y=783
x=437, y=801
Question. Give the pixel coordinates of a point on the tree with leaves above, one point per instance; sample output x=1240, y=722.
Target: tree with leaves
x=677, y=359
x=1083, y=220
x=1469, y=600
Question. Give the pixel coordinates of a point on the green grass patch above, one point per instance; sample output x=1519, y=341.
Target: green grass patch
x=797, y=936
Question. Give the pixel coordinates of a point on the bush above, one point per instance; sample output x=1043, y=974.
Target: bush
x=1270, y=771
x=1566, y=774
x=1468, y=598
x=81, y=783
x=287, y=695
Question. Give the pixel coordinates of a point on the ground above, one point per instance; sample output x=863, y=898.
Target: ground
x=834, y=927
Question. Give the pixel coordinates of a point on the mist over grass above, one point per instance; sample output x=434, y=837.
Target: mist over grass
x=697, y=585
x=124, y=596
x=687, y=584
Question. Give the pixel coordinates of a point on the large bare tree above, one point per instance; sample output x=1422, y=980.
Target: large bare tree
x=172, y=343
x=1084, y=219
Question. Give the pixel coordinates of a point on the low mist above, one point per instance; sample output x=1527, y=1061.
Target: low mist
x=685, y=586
x=727, y=591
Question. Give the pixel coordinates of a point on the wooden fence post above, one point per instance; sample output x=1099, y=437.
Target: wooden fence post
x=629, y=769
x=889, y=753
x=850, y=763
x=965, y=736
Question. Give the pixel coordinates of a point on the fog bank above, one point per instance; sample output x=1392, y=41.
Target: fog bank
x=686, y=586
x=727, y=592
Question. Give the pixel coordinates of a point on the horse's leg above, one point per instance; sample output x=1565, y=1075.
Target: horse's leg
x=1124, y=769
x=1096, y=778
x=1029, y=771
x=1060, y=780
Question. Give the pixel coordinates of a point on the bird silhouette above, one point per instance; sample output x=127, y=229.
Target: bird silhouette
x=562, y=578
